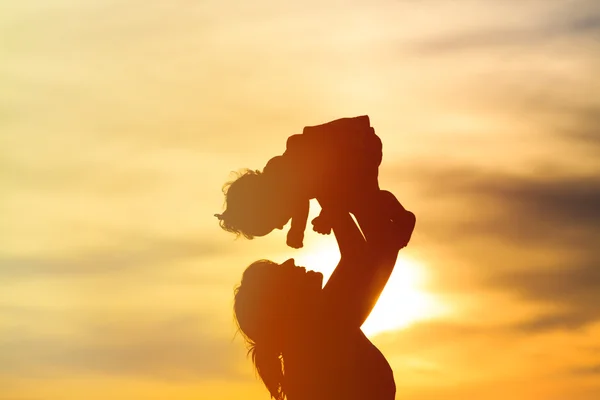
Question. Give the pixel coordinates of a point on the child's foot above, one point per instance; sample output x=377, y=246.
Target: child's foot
x=295, y=239
x=322, y=225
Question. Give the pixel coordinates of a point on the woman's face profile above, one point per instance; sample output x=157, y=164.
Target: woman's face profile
x=284, y=292
x=299, y=278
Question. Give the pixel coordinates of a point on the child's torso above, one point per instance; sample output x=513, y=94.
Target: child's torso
x=334, y=163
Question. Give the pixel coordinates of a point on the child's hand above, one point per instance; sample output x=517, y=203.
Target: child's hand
x=295, y=239
x=321, y=225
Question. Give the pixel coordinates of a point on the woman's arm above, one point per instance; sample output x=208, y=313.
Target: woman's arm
x=364, y=268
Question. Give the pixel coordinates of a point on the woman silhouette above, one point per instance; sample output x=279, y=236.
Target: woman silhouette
x=305, y=340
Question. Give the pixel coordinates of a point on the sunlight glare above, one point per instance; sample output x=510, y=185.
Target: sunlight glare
x=403, y=302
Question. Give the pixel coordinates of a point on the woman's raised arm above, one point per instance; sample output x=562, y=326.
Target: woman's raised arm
x=364, y=268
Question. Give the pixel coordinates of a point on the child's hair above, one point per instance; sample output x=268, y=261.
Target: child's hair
x=241, y=195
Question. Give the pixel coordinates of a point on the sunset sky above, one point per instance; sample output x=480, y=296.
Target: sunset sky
x=121, y=120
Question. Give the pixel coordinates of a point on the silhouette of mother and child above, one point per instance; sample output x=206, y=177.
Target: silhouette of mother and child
x=305, y=339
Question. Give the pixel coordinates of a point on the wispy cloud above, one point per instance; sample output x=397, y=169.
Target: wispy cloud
x=588, y=370
x=140, y=255
x=173, y=348
x=527, y=209
x=555, y=217
x=571, y=20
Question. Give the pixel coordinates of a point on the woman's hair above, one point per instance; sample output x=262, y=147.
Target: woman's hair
x=241, y=193
x=258, y=319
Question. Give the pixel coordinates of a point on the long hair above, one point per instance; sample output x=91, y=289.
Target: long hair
x=259, y=327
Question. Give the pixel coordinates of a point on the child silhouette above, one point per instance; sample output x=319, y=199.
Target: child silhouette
x=336, y=163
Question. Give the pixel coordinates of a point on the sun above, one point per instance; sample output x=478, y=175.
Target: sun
x=404, y=300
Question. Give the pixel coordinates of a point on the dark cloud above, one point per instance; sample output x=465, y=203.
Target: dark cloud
x=555, y=321
x=570, y=289
x=140, y=253
x=584, y=128
x=178, y=348
x=575, y=20
x=522, y=209
x=588, y=370
x=578, y=284
x=558, y=215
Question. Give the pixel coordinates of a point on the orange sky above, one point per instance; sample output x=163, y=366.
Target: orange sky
x=120, y=121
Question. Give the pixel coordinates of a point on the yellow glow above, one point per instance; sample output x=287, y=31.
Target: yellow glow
x=402, y=302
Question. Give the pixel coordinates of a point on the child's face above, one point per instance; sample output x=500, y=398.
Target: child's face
x=274, y=217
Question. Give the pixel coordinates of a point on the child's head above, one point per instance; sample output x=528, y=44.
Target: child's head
x=253, y=207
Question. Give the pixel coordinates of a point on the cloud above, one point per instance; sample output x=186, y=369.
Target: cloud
x=180, y=347
x=584, y=128
x=588, y=370
x=521, y=209
x=570, y=289
x=73, y=175
x=441, y=333
x=560, y=320
x=571, y=21
x=555, y=217
x=134, y=254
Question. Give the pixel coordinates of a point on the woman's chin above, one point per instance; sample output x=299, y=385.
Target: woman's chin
x=316, y=277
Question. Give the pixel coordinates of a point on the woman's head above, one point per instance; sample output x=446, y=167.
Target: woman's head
x=253, y=207
x=270, y=306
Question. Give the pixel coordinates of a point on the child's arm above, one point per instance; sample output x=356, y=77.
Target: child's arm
x=322, y=222
x=295, y=235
